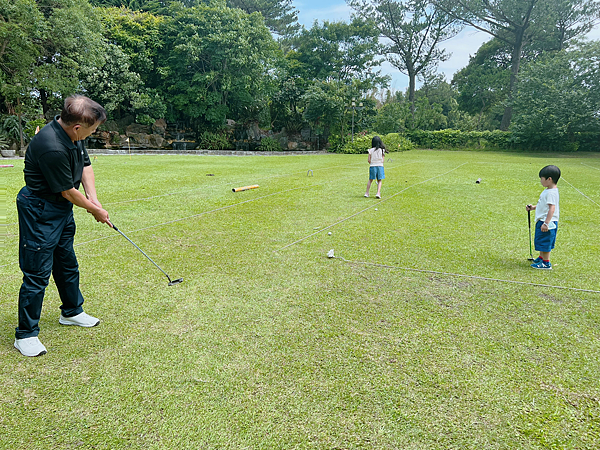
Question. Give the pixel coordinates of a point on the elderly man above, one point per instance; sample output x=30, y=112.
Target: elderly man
x=56, y=163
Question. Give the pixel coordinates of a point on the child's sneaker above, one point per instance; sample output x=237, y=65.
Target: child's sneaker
x=537, y=260
x=542, y=265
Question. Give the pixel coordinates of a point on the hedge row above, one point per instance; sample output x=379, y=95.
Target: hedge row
x=393, y=142
x=444, y=139
x=461, y=139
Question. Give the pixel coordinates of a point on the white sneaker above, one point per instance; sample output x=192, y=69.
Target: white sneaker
x=81, y=320
x=30, y=346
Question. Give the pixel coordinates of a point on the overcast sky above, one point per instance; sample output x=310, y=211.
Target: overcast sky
x=461, y=46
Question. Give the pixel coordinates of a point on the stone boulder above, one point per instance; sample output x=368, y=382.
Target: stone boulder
x=110, y=125
x=136, y=129
x=159, y=127
x=156, y=141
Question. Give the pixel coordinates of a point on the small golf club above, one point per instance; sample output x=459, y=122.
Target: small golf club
x=529, y=220
x=171, y=282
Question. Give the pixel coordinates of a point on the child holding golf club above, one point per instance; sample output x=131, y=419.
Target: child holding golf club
x=546, y=217
x=376, y=157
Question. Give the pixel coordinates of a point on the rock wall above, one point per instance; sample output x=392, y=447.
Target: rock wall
x=125, y=134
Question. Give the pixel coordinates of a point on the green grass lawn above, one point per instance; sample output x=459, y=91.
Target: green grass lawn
x=269, y=344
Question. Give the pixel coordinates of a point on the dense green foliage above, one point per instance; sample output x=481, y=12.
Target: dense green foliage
x=521, y=25
x=461, y=139
x=559, y=98
x=198, y=64
x=393, y=142
x=268, y=144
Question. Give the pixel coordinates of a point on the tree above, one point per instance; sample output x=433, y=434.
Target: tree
x=437, y=90
x=517, y=22
x=211, y=55
x=138, y=34
x=280, y=15
x=413, y=30
x=21, y=26
x=482, y=85
x=558, y=98
x=324, y=105
x=338, y=51
x=392, y=118
x=73, y=40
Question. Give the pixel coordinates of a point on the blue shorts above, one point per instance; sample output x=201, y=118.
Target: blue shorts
x=376, y=173
x=544, y=240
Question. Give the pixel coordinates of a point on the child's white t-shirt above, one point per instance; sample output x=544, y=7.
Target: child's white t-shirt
x=547, y=197
x=376, y=157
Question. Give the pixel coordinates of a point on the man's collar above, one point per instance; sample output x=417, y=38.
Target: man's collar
x=62, y=134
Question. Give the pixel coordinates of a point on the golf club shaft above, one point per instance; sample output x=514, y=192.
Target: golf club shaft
x=150, y=259
x=529, y=220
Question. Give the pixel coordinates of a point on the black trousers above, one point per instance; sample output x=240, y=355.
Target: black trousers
x=46, y=234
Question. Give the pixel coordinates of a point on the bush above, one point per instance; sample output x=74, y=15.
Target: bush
x=268, y=144
x=444, y=139
x=213, y=141
x=3, y=142
x=588, y=141
x=10, y=127
x=393, y=142
x=361, y=144
x=144, y=119
x=31, y=126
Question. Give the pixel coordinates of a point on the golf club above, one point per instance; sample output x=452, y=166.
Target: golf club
x=171, y=283
x=529, y=220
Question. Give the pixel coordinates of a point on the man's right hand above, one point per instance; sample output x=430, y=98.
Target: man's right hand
x=101, y=215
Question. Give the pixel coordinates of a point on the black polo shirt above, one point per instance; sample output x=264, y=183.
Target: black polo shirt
x=53, y=163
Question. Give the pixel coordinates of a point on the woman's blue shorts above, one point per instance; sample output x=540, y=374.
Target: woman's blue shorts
x=376, y=173
x=544, y=240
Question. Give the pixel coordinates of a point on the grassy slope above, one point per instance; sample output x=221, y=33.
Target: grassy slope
x=264, y=347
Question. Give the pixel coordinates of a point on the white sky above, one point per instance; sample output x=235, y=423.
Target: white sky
x=461, y=46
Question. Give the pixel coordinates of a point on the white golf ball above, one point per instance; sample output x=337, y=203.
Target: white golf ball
x=375, y=209
x=329, y=233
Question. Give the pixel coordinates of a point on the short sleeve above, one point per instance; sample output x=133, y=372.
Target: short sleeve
x=552, y=198
x=57, y=171
x=86, y=157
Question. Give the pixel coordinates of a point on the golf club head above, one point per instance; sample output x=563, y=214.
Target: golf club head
x=177, y=281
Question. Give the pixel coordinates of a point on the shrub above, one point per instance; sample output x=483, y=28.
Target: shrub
x=10, y=127
x=393, y=142
x=144, y=119
x=31, y=126
x=268, y=144
x=361, y=144
x=213, y=141
x=443, y=139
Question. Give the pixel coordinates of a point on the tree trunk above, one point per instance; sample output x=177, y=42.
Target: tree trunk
x=412, y=81
x=514, y=74
x=44, y=101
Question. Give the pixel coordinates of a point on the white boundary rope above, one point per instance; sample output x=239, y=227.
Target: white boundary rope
x=581, y=192
x=366, y=209
x=183, y=218
x=587, y=165
x=234, y=182
x=473, y=277
x=226, y=183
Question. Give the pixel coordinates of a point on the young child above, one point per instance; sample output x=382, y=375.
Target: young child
x=546, y=217
x=376, y=157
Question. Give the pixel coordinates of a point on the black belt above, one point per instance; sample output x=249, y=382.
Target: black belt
x=50, y=197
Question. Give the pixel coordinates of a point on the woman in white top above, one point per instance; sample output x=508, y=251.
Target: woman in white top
x=376, y=157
